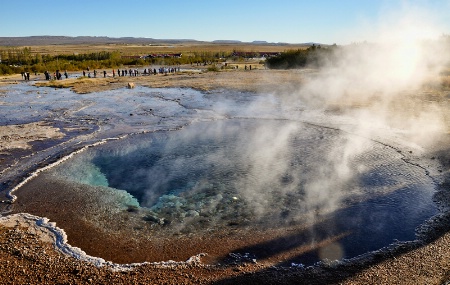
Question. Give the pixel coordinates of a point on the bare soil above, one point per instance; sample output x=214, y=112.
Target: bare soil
x=245, y=80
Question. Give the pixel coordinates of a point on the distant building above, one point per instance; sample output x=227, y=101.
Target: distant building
x=173, y=55
x=253, y=54
x=159, y=55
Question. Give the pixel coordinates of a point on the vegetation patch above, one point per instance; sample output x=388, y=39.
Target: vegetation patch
x=313, y=56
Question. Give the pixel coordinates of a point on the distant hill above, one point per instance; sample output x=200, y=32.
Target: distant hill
x=226, y=42
x=63, y=40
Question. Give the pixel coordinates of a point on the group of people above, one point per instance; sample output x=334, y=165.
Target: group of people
x=133, y=72
x=124, y=72
x=95, y=73
x=147, y=71
x=56, y=76
x=25, y=75
x=165, y=70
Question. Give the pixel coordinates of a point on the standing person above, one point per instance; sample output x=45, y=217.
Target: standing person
x=65, y=74
x=28, y=76
x=95, y=73
x=84, y=73
x=104, y=73
x=118, y=72
x=114, y=73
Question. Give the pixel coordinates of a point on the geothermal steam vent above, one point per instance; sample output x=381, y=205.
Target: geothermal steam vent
x=284, y=183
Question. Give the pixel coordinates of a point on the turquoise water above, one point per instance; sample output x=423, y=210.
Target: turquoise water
x=237, y=172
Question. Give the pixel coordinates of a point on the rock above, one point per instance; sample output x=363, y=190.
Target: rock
x=192, y=213
x=130, y=85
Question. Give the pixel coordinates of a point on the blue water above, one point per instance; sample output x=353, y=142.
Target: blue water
x=267, y=174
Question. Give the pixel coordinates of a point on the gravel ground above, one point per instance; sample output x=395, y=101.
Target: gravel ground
x=28, y=256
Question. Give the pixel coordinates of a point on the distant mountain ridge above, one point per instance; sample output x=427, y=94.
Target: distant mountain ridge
x=65, y=40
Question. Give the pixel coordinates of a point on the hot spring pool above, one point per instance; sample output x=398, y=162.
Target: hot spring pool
x=356, y=194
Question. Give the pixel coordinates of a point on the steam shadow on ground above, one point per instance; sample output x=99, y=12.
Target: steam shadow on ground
x=338, y=227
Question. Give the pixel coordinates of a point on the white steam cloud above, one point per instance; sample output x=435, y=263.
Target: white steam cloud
x=372, y=92
x=377, y=86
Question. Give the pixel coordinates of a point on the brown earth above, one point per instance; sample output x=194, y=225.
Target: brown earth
x=255, y=80
x=28, y=256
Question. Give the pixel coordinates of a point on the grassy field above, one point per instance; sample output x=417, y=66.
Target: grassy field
x=134, y=49
x=72, y=57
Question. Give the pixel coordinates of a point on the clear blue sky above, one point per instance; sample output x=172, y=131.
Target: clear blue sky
x=293, y=21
